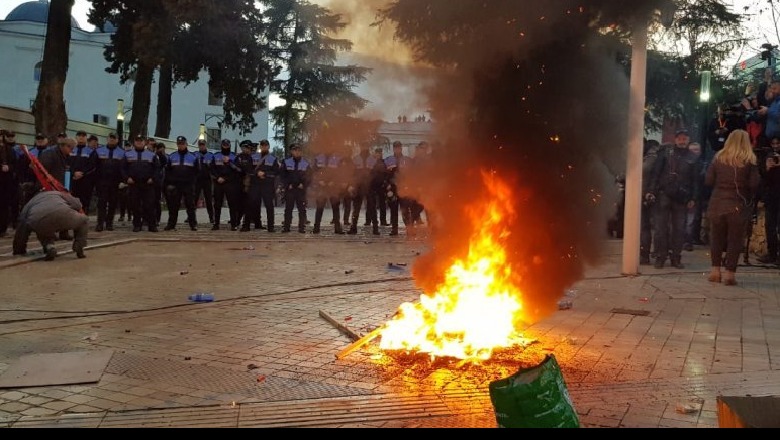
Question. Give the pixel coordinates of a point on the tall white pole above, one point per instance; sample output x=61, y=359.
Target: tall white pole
x=636, y=124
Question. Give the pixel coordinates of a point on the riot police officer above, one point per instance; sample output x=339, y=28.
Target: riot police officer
x=203, y=183
x=327, y=188
x=267, y=171
x=227, y=177
x=109, y=176
x=363, y=163
x=296, y=177
x=180, y=175
x=140, y=171
x=396, y=164
x=83, y=166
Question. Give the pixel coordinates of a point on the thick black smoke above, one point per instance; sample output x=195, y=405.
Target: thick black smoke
x=536, y=93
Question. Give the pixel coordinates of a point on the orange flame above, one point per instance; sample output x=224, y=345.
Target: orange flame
x=477, y=308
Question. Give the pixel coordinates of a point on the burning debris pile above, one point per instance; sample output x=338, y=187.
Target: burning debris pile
x=529, y=103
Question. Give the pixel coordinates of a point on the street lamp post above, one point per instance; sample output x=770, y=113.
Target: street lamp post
x=120, y=119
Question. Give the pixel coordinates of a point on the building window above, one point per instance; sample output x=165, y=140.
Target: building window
x=213, y=138
x=37, y=71
x=215, y=97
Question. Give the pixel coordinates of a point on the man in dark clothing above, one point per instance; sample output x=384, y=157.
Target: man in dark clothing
x=109, y=176
x=646, y=229
x=203, y=183
x=28, y=181
x=10, y=190
x=9, y=185
x=296, y=177
x=180, y=175
x=363, y=164
x=267, y=171
x=159, y=191
x=378, y=192
x=141, y=171
x=227, y=181
x=770, y=195
x=47, y=213
x=674, y=189
x=56, y=161
x=83, y=166
x=397, y=164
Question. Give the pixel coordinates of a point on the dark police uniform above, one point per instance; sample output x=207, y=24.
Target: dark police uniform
x=295, y=176
x=180, y=175
x=227, y=185
x=143, y=167
x=269, y=165
x=363, y=164
x=326, y=183
x=109, y=176
x=248, y=162
x=203, y=183
x=159, y=189
x=396, y=164
x=83, y=159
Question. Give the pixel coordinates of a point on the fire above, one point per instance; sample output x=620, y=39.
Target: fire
x=477, y=307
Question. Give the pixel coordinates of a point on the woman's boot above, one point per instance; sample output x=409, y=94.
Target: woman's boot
x=714, y=275
x=728, y=279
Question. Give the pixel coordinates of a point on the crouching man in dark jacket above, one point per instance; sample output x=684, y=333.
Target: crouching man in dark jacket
x=46, y=214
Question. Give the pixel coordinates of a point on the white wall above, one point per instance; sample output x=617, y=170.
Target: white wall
x=89, y=89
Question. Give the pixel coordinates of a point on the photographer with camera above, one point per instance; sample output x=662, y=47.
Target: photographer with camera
x=771, y=198
x=727, y=119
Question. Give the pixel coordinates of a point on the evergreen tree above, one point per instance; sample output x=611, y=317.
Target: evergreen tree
x=315, y=89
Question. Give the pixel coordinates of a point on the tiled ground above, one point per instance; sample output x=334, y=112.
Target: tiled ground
x=261, y=355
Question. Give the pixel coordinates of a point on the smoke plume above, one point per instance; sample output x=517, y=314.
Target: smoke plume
x=532, y=93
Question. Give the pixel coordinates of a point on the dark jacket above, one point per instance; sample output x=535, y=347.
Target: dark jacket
x=8, y=158
x=110, y=163
x=55, y=163
x=675, y=175
x=293, y=176
x=84, y=159
x=733, y=189
x=141, y=166
x=183, y=168
x=228, y=171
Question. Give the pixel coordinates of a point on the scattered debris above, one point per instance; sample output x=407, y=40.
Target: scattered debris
x=187, y=358
x=359, y=343
x=248, y=248
x=91, y=337
x=644, y=299
x=184, y=272
x=571, y=293
x=687, y=408
x=260, y=378
x=341, y=327
x=394, y=267
x=127, y=330
x=201, y=297
x=252, y=367
x=347, y=272
x=565, y=304
x=400, y=264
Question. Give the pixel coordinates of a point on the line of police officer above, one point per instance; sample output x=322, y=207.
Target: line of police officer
x=246, y=181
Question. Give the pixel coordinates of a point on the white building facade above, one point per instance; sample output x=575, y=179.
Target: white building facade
x=91, y=93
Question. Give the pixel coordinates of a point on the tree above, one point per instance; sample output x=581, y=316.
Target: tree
x=184, y=38
x=49, y=107
x=702, y=36
x=315, y=88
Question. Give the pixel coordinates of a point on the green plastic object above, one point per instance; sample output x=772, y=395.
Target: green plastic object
x=534, y=397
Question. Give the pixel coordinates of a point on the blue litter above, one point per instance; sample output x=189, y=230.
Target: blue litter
x=201, y=297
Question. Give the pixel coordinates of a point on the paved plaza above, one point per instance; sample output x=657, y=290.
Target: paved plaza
x=654, y=350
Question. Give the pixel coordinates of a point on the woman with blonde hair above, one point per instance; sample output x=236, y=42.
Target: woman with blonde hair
x=733, y=176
